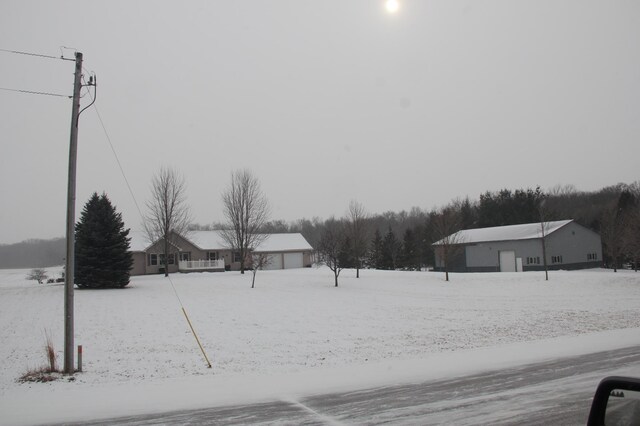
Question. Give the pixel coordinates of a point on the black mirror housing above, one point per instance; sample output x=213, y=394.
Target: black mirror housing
x=603, y=392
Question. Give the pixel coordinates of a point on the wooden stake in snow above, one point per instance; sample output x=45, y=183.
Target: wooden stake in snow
x=80, y=358
x=196, y=336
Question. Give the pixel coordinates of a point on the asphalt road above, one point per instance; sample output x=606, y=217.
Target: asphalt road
x=557, y=392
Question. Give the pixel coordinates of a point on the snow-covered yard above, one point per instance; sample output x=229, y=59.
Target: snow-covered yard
x=295, y=323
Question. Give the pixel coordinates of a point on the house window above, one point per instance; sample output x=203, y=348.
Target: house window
x=236, y=256
x=212, y=255
x=153, y=259
x=170, y=259
x=185, y=256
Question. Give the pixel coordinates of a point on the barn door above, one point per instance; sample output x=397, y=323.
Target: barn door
x=507, y=261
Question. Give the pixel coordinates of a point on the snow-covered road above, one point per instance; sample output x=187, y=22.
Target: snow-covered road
x=556, y=392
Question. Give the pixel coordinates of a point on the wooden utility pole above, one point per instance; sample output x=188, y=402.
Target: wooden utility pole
x=71, y=221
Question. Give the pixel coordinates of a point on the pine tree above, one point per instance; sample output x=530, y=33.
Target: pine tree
x=345, y=255
x=390, y=251
x=375, y=253
x=103, y=259
x=410, y=256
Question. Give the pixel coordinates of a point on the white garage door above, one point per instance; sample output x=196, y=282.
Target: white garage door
x=275, y=262
x=293, y=260
x=507, y=261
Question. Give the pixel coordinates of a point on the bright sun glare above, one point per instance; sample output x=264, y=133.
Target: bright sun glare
x=392, y=6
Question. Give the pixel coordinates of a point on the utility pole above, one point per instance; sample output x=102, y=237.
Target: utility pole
x=71, y=220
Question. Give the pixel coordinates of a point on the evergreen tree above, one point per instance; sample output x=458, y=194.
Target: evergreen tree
x=390, y=251
x=410, y=255
x=375, y=253
x=345, y=255
x=103, y=259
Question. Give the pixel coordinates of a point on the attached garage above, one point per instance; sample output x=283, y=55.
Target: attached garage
x=286, y=251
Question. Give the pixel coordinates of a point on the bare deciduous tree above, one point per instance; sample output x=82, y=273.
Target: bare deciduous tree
x=258, y=261
x=331, y=246
x=168, y=212
x=38, y=274
x=246, y=210
x=358, y=233
x=445, y=225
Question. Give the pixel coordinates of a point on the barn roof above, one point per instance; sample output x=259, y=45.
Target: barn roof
x=526, y=231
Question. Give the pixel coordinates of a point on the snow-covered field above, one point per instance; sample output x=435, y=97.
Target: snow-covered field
x=295, y=327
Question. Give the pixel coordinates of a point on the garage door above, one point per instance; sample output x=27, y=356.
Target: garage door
x=507, y=261
x=293, y=260
x=275, y=262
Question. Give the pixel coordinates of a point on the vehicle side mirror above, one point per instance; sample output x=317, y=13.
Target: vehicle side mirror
x=616, y=402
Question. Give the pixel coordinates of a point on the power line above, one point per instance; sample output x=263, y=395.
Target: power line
x=193, y=331
x=31, y=92
x=115, y=154
x=18, y=52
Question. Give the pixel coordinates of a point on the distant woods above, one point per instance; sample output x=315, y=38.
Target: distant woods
x=402, y=240
x=33, y=254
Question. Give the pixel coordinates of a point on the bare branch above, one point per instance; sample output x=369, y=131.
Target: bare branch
x=246, y=210
x=168, y=212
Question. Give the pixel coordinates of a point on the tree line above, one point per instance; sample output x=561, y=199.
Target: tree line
x=396, y=240
x=403, y=240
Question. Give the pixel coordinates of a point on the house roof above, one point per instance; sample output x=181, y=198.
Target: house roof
x=526, y=231
x=212, y=240
x=284, y=242
x=207, y=240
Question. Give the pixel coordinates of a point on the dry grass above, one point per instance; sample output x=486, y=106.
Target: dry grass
x=47, y=373
x=51, y=353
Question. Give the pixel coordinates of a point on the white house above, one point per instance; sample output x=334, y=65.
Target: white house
x=519, y=248
x=208, y=251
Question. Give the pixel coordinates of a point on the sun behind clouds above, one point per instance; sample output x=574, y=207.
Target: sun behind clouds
x=392, y=6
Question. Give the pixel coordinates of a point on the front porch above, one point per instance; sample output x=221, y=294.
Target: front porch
x=201, y=265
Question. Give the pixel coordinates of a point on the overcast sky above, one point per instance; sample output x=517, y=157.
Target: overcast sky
x=325, y=101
